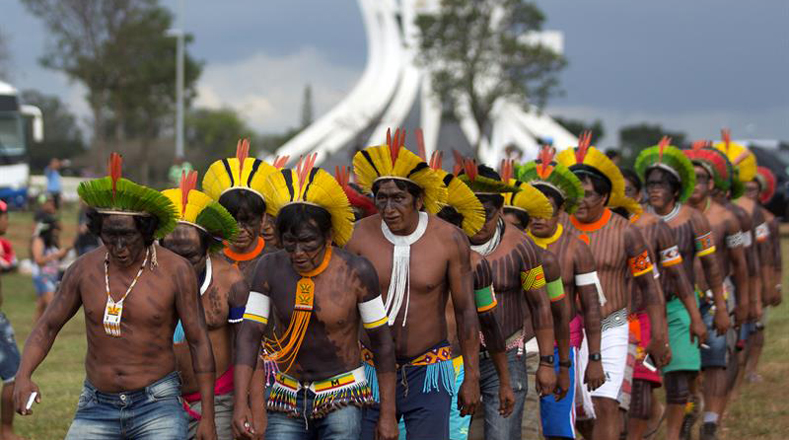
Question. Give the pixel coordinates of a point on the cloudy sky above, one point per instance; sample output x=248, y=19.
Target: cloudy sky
x=693, y=66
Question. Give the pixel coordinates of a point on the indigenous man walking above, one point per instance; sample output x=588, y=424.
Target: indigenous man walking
x=581, y=286
x=670, y=180
x=132, y=390
x=320, y=296
x=202, y=224
x=518, y=279
x=421, y=260
x=619, y=248
x=713, y=181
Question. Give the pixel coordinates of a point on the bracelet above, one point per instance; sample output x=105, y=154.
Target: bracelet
x=547, y=360
x=566, y=364
x=595, y=357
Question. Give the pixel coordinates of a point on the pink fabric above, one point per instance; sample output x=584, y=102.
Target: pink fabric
x=639, y=372
x=576, y=331
x=223, y=385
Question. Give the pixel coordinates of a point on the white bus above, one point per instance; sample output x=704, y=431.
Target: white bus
x=14, y=166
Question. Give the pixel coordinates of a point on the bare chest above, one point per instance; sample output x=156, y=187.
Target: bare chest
x=150, y=304
x=334, y=304
x=427, y=267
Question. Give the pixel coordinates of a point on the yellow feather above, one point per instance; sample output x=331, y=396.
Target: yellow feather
x=217, y=180
x=465, y=202
x=741, y=158
x=529, y=199
x=596, y=159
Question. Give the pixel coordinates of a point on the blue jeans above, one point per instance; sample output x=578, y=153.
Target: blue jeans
x=152, y=413
x=9, y=353
x=497, y=427
x=341, y=424
x=716, y=356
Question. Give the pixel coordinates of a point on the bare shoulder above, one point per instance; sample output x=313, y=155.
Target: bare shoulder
x=646, y=219
x=362, y=230
x=697, y=219
x=359, y=266
x=225, y=270
x=443, y=228
x=170, y=260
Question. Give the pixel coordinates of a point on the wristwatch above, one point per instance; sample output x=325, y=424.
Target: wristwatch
x=595, y=357
x=566, y=364
x=547, y=360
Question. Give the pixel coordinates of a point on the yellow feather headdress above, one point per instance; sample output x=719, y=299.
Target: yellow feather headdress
x=739, y=156
x=460, y=197
x=237, y=173
x=394, y=161
x=201, y=211
x=586, y=158
x=529, y=199
x=313, y=186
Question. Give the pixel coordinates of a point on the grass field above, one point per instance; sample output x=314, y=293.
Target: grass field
x=761, y=412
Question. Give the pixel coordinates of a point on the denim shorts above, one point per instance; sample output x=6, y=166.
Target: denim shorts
x=9, y=352
x=496, y=426
x=716, y=356
x=44, y=284
x=340, y=424
x=152, y=413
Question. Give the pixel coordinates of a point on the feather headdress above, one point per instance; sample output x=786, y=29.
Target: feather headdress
x=115, y=195
x=482, y=185
x=356, y=199
x=735, y=186
x=545, y=171
x=312, y=186
x=670, y=159
x=586, y=159
x=201, y=211
x=712, y=161
x=460, y=197
x=238, y=173
x=767, y=181
x=394, y=161
x=739, y=156
x=529, y=199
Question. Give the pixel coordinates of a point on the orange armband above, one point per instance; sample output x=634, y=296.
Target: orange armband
x=640, y=264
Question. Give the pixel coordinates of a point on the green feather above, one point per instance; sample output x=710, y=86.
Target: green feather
x=487, y=185
x=672, y=158
x=561, y=177
x=215, y=217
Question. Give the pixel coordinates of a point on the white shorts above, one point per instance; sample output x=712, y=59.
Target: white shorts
x=613, y=348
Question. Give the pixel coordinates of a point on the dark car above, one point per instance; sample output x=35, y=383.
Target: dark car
x=774, y=155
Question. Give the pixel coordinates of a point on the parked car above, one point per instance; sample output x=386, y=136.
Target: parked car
x=774, y=154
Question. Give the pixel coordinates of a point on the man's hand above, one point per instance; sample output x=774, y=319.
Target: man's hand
x=562, y=383
x=242, y=423
x=660, y=351
x=755, y=312
x=386, y=429
x=545, y=381
x=206, y=430
x=721, y=320
x=594, y=377
x=469, y=397
x=506, y=399
x=698, y=331
x=23, y=388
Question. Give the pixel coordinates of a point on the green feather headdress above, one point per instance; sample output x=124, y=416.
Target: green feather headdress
x=116, y=195
x=201, y=211
x=735, y=185
x=483, y=185
x=671, y=159
x=546, y=172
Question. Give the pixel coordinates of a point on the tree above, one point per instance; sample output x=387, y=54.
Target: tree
x=63, y=137
x=120, y=51
x=577, y=126
x=212, y=134
x=479, y=52
x=306, y=107
x=636, y=137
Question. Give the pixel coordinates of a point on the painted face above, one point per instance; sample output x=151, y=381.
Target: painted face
x=492, y=215
x=268, y=230
x=704, y=185
x=249, y=228
x=659, y=190
x=631, y=191
x=512, y=218
x=185, y=241
x=592, y=205
x=542, y=227
x=752, y=190
x=305, y=246
x=398, y=208
x=124, y=242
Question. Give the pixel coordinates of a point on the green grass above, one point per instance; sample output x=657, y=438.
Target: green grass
x=761, y=411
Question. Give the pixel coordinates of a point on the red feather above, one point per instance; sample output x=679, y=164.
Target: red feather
x=115, y=168
x=343, y=175
x=436, y=160
x=546, y=157
x=394, y=147
x=665, y=141
x=280, y=162
x=583, y=146
x=506, y=170
x=242, y=152
x=420, y=142
x=699, y=144
x=459, y=160
x=304, y=167
x=389, y=137
x=471, y=169
x=726, y=136
x=188, y=183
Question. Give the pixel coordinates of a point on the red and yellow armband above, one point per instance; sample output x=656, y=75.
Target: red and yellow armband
x=373, y=313
x=670, y=257
x=640, y=264
x=533, y=279
x=704, y=245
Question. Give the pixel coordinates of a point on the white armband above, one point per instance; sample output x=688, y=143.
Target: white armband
x=373, y=313
x=735, y=240
x=762, y=233
x=747, y=241
x=589, y=279
x=257, y=308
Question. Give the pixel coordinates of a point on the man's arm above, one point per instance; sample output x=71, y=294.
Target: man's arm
x=560, y=312
x=237, y=300
x=533, y=284
x=642, y=270
x=64, y=305
x=461, y=285
x=374, y=319
x=764, y=247
x=740, y=274
x=190, y=311
x=775, y=238
x=590, y=292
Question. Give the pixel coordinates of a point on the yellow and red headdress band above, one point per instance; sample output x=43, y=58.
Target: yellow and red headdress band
x=739, y=156
x=529, y=199
x=702, y=154
x=310, y=185
x=460, y=197
x=546, y=172
x=238, y=173
x=201, y=211
x=587, y=159
x=767, y=182
x=394, y=161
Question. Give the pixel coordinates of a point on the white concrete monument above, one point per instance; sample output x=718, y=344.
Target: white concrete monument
x=395, y=92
